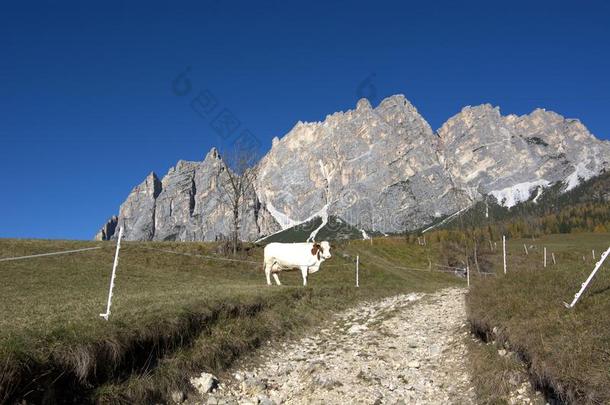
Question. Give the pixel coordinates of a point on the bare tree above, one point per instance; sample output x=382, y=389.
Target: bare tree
x=236, y=176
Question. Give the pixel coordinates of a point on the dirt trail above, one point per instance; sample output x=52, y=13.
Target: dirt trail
x=407, y=349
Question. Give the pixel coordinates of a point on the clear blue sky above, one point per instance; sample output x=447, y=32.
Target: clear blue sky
x=88, y=109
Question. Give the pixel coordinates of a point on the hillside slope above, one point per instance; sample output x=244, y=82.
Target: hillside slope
x=522, y=313
x=585, y=207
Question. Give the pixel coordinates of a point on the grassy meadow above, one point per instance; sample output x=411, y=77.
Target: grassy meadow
x=172, y=315
x=566, y=351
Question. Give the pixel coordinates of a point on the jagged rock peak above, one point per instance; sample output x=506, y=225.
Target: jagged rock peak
x=388, y=106
x=108, y=229
x=363, y=104
x=151, y=185
x=183, y=165
x=480, y=107
x=487, y=109
x=397, y=101
x=307, y=124
x=152, y=176
x=212, y=154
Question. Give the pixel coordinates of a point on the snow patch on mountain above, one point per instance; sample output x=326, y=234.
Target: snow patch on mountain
x=449, y=218
x=282, y=219
x=511, y=196
x=323, y=213
x=540, y=192
x=580, y=172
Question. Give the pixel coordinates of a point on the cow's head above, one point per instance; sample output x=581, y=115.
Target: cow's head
x=321, y=250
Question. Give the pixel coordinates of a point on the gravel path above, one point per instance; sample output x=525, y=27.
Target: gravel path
x=407, y=349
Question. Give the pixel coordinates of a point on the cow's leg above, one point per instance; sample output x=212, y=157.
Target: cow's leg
x=268, y=273
x=275, y=268
x=304, y=274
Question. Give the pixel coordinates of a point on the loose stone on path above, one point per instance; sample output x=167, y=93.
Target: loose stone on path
x=404, y=349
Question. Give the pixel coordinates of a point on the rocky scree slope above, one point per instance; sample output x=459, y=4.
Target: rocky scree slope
x=379, y=169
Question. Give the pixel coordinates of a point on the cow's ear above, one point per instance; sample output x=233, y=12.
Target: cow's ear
x=314, y=249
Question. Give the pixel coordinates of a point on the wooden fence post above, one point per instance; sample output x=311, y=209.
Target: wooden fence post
x=357, y=271
x=114, y=266
x=504, y=251
x=545, y=257
x=598, y=265
x=476, y=259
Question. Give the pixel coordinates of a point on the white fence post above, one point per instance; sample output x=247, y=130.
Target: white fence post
x=545, y=257
x=504, y=251
x=468, y=274
x=593, y=253
x=586, y=283
x=525, y=247
x=357, y=265
x=553, y=256
x=114, y=266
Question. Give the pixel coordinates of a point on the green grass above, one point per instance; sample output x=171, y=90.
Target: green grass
x=567, y=350
x=172, y=314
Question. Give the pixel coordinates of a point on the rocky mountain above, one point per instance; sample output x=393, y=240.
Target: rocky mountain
x=185, y=205
x=510, y=156
x=377, y=169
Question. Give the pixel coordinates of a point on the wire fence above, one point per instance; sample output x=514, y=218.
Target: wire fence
x=428, y=270
x=441, y=268
x=7, y=259
x=226, y=259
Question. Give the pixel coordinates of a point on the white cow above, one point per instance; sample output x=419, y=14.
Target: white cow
x=304, y=256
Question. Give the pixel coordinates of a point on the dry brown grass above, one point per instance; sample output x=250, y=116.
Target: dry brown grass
x=493, y=376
